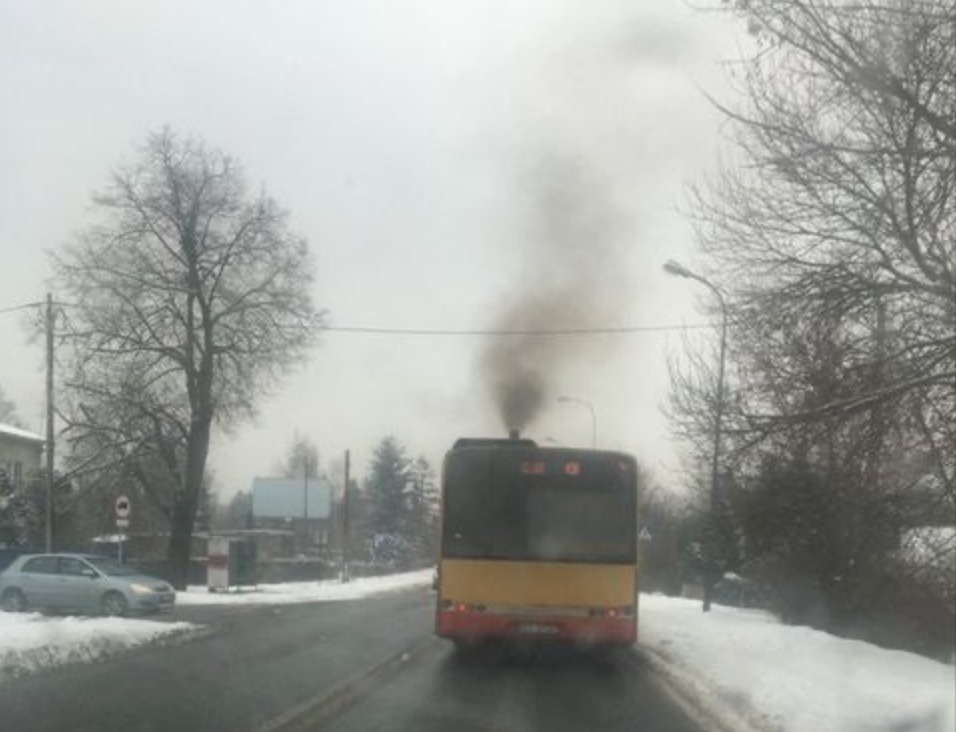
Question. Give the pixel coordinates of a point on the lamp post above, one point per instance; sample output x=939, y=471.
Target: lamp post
x=678, y=270
x=305, y=498
x=574, y=400
x=50, y=413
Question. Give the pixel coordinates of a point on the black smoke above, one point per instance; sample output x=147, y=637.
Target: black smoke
x=571, y=275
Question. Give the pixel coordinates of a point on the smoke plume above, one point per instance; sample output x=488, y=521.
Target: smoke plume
x=571, y=275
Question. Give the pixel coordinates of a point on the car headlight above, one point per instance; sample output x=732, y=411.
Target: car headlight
x=141, y=589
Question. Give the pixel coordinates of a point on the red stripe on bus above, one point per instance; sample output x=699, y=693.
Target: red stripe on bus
x=475, y=625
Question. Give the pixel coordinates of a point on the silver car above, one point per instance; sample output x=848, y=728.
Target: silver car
x=81, y=583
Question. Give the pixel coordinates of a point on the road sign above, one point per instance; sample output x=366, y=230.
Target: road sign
x=645, y=535
x=122, y=507
x=122, y=523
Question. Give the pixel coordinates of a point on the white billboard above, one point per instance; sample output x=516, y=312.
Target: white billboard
x=289, y=498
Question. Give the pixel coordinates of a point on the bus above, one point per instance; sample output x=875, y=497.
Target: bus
x=537, y=543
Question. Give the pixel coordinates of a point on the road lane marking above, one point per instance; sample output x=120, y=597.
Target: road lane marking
x=332, y=702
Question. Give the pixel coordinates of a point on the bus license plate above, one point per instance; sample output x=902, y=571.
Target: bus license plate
x=537, y=628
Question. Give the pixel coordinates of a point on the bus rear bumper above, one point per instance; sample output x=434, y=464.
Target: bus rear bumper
x=471, y=626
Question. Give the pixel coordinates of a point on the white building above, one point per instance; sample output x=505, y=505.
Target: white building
x=20, y=454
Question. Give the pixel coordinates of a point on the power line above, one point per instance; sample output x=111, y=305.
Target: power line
x=37, y=304
x=609, y=330
x=25, y=306
x=478, y=332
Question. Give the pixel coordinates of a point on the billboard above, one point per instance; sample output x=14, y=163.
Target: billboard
x=288, y=498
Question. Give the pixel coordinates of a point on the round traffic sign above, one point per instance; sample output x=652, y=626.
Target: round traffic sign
x=122, y=506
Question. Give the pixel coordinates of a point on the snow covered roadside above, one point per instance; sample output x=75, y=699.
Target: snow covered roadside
x=757, y=674
x=33, y=642
x=294, y=592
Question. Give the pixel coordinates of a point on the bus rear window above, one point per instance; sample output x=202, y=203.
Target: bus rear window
x=580, y=508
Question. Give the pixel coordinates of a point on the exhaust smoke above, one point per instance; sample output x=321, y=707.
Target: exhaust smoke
x=571, y=275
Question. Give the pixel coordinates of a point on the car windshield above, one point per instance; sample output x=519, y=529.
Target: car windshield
x=111, y=567
x=478, y=365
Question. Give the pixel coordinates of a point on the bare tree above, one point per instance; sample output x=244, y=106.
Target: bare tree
x=869, y=48
x=840, y=219
x=833, y=234
x=8, y=412
x=301, y=459
x=423, y=501
x=190, y=297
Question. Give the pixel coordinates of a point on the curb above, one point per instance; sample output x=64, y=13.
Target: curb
x=702, y=703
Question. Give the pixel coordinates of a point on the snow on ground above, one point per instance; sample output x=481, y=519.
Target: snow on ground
x=31, y=642
x=293, y=592
x=760, y=674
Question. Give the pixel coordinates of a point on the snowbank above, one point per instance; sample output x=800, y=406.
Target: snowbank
x=758, y=674
x=32, y=642
x=293, y=592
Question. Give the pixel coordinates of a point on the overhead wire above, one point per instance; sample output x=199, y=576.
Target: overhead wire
x=466, y=332
x=24, y=306
x=522, y=332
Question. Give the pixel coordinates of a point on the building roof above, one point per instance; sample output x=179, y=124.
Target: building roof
x=8, y=430
x=242, y=533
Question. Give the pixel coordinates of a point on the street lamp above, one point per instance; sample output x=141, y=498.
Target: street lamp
x=678, y=270
x=574, y=400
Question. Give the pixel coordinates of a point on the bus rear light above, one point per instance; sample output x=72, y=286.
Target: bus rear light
x=453, y=606
x=611, y=612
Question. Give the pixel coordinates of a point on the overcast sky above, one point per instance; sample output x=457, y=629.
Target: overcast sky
x=398, y=135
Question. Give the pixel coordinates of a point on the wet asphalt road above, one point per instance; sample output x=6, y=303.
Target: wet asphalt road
x=517, y=691
x=359, y=666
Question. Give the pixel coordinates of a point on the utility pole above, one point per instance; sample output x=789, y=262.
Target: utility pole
x=50, y=322
x=345, y=523
x=305, y=497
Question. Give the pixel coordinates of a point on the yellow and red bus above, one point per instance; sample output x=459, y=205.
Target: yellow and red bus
x=537, y=543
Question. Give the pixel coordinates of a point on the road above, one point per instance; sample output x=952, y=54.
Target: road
x=358, y=665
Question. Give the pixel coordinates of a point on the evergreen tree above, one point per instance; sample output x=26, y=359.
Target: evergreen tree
x=389, y=481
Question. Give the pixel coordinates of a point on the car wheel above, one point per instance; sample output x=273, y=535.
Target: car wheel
x=13, y=601
x=114, y=605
